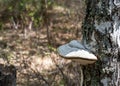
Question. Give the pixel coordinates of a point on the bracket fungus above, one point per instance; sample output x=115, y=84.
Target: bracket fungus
x=75, y=51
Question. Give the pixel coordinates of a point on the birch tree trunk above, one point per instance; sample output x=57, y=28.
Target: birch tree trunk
x=101, y=35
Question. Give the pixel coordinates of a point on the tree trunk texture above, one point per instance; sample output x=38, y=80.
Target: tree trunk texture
x=101, y=35
x=7, y=75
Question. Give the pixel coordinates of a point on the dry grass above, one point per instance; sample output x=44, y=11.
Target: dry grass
x=38, y=63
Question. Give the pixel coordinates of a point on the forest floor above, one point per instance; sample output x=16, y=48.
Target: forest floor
x=37, y=62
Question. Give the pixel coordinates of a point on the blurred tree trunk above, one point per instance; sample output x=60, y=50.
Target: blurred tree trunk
x=7, y=75
x=101, y=35
x=45, y=6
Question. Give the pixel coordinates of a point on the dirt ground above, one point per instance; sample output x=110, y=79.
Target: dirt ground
x=37, y=62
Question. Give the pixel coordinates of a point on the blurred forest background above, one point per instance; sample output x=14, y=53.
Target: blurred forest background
x=31, y=31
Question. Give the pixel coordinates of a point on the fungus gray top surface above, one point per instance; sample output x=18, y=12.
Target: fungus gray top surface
x=75, y=50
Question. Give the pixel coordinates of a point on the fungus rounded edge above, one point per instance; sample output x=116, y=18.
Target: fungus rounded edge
x=76, y=53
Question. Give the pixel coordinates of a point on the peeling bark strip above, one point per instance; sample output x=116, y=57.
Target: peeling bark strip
x=101, y=35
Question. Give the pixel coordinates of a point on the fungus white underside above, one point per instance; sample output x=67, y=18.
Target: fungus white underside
x=76, y=51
